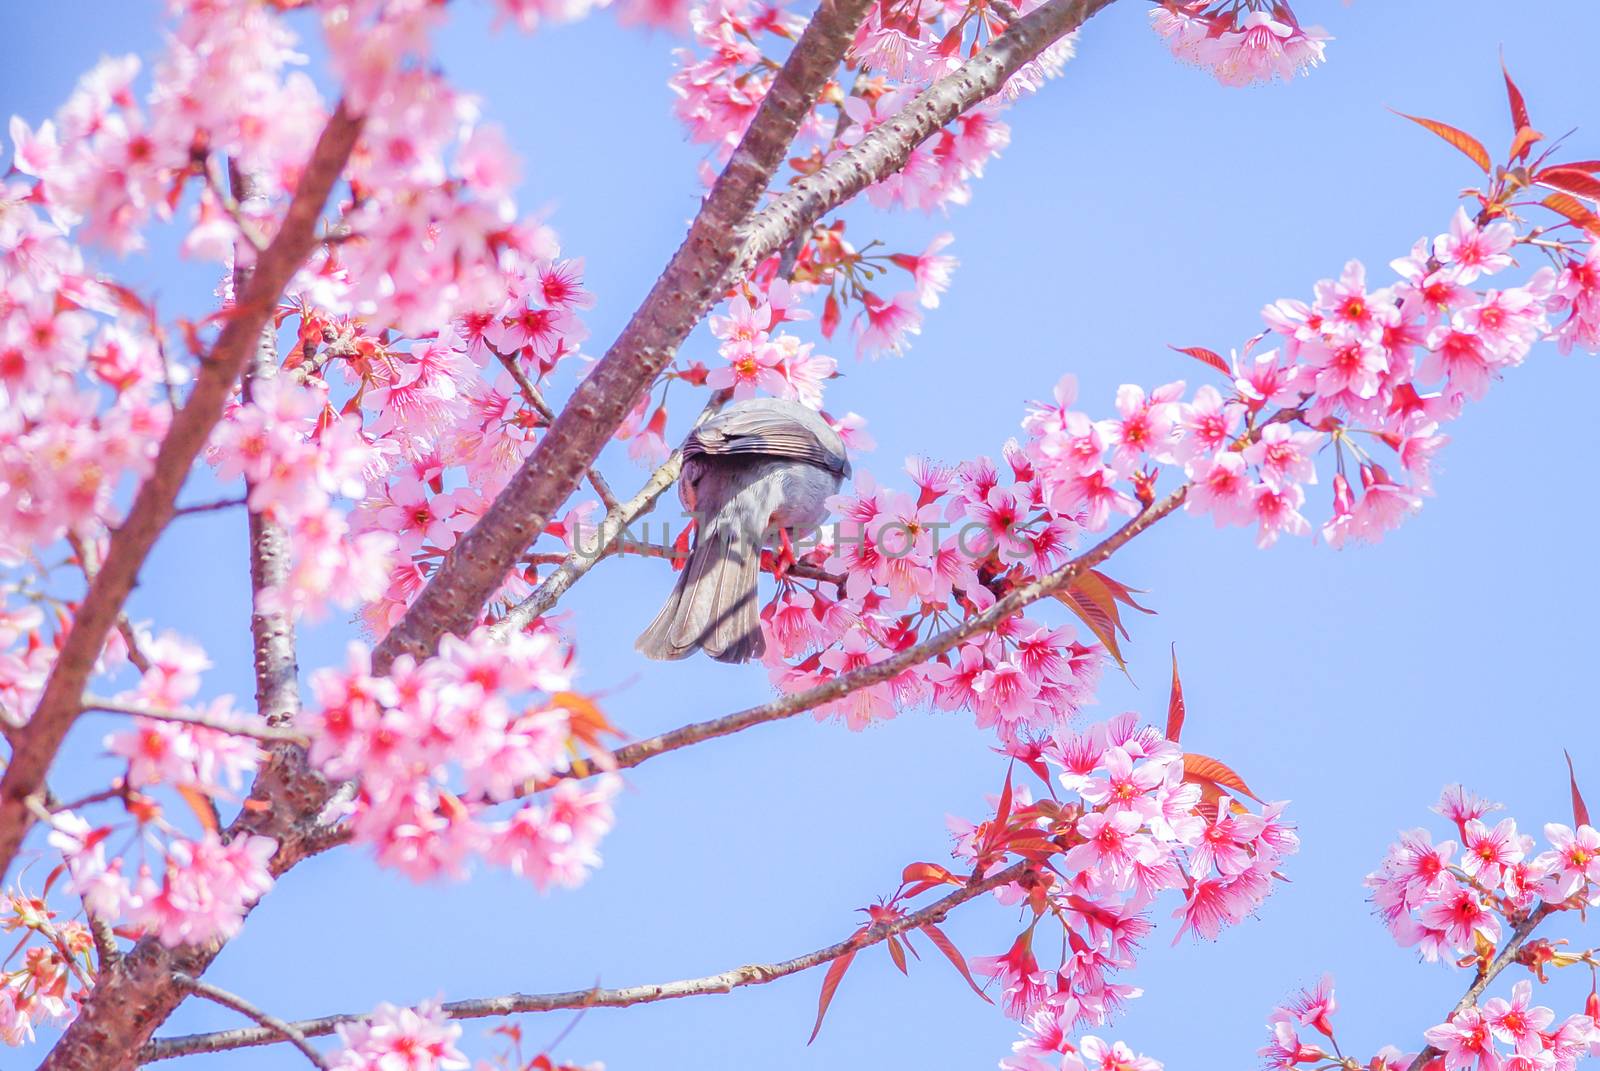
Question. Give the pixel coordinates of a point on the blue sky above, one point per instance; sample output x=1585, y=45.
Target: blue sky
x=1139, y=204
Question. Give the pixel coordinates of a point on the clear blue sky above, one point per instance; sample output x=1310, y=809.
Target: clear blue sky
x=1138, y=204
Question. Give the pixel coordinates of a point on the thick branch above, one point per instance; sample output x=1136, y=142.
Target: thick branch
x=1507, y=954
x=513, y=1003
x=283, y=1030
x=694, y=279
x=884, y=150
x=37, y=742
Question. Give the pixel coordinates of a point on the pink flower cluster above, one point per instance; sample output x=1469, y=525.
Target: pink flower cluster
x=163, y=752
x=206, y=887
x=400, y=1039
x=1240, y=42
x=297, y=456
x=1464, y=905
x=437, y=744
x=898, y=50
x=1445, y=903
x=907, y=562
x=777, y=363
x=1142, y=825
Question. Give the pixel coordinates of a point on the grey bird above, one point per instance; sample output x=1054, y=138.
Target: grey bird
x=757, y=466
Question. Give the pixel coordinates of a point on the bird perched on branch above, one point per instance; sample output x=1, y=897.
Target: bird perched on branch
x=757, y=466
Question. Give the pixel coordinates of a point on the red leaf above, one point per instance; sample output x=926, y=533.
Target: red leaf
x=1175, y=706
x=1205, y=356
x=1581, y=165
x=831, y=983
x=1573, y=209
x=203, y=808
x=918, y=878
x=1123, y=593
x=898, y=954
x=1204, y=768
x=1463, y=141
x=1580, y=810
x=62, y=867
x=1519, y=107
x=953, y=954
x=1570, y=179
x=1003, y=813
x=1526, y=138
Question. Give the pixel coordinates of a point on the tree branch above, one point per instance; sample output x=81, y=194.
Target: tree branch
x=1508, y=953
x=136, y=995
x=270, y=734
x=572, y=569
x=693, y=280
x=37, y=742
x=284, y=1031
x=1013, y=602
x=513, y=1003
x=885, y=148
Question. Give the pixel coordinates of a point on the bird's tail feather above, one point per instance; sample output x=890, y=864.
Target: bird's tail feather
x=714, y=606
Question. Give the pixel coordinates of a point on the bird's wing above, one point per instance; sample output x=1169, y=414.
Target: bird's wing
x=745, y=432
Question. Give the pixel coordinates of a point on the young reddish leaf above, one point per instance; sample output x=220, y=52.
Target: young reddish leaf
x=898, y=954
x=1175, y=706
x=1471, y=146
x=1580, y=810
x=918, y=878
x=1002, y=814
x=1097, y=619
x=1204, y=768
x=1525, y=140
x=1123, y=593
x=61, y=868
x=1570, y=179
x=1205, y=356
x=1581, y=165
x=203, y=808
x=831, y=983
x=953, y=954
x=1573, y=209
x=1519, y=107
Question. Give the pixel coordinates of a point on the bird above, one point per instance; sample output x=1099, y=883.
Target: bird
x=756, y=465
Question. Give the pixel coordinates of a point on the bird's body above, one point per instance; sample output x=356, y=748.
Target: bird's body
x=757, y=466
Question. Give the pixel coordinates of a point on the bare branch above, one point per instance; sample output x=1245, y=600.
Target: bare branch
x=212, y=507
x=284, y=1031
x=694, y=279
x=37, y=742
x=270, y=734
x=514, y=1003
x=90, y=566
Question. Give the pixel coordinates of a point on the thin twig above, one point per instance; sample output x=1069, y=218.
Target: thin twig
x=284, y=1031
x=514, y=1003
x=534, y=397
x=575, y=565
x=84, y=550
x=210, y=507
x=270, y=734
